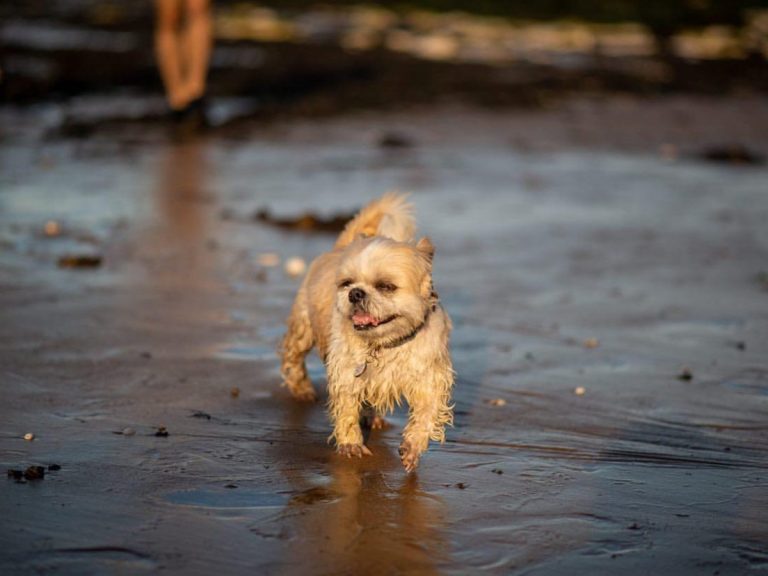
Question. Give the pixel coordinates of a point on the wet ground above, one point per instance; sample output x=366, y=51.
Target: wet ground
x=584, y=248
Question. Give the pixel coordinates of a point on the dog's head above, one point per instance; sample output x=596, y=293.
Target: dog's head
x=384, y=287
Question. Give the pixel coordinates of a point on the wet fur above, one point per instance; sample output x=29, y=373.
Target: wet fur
x=406, y=358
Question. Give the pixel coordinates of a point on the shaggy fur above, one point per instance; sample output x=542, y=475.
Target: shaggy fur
x=369, y=308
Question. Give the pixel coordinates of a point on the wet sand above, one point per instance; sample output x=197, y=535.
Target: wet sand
x=594, y=220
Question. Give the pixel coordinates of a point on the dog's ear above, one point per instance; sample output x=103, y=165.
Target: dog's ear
x=427, y=249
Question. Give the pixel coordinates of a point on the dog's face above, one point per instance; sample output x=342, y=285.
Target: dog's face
x=384, y=287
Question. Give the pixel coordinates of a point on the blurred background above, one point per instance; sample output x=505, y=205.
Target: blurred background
x=320, y=58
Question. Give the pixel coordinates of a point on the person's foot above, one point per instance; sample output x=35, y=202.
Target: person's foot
x=190, y=120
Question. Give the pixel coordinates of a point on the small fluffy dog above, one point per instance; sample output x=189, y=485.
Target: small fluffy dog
x=370, y=309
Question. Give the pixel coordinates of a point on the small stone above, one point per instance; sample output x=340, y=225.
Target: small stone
x=268, y=259
x=128, y=431
x=29, y=436
x=15, y=474
x=497, y=402
x=685, y=375
x=461, y=485
x=161, y=432
x=395, y=140
x=80, y=261
x=34, y=473
x=497, y=471
x=230, y=486
x=295, y=267
x=234, y=391
x=579, y=390
x=590, y=343
x=741, y=345
x=54, y=467
x=52, y=228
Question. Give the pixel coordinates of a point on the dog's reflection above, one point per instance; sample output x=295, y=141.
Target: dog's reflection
x=367, y=518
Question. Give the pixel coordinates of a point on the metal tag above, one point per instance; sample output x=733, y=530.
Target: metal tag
x=359, y=369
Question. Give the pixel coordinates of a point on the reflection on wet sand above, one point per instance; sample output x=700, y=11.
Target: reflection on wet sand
x=170, y=281
x=180, y=203
x=364, y=516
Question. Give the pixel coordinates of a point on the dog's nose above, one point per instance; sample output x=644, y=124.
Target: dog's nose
x=356, y=295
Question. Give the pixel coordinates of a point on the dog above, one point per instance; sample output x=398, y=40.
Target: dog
x=369, y=308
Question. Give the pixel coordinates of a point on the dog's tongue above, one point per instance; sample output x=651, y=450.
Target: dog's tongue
x=362, y=319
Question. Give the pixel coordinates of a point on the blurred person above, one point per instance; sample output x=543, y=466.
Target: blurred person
x=183, y=42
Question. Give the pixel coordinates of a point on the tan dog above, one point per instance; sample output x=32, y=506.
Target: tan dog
x=370, y=309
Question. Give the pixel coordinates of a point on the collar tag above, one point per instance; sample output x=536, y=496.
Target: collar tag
x=360, y=369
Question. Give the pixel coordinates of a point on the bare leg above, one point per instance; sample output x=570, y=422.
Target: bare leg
x=168, y=51
x=297, y=343
x=196, y=40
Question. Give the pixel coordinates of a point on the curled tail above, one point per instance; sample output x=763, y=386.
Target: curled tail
x=390, y=216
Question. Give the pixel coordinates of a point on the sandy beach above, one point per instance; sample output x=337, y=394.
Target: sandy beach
x=609, y=290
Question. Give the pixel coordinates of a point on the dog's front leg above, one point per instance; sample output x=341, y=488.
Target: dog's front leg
x=429, y=413
x=346, y=402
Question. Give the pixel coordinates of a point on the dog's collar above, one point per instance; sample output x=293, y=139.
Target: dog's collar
x=408, y=337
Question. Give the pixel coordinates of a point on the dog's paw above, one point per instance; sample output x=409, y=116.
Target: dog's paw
x=350, y=450
x=409, y=456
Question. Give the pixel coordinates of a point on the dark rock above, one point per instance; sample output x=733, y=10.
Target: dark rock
x=685, y=375
x=80, y=261
x=732, y=154
x=15, y=474
x=395, y=140
x=34, y=473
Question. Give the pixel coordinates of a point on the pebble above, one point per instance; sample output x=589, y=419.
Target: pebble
x=128, y=431
x=268, y=259
x=52, y=228
x=295, y=267
x=234, y=392
x=15, y=474
x=497, y=402
x=579, y=390
x=591, y=343
x=29, y=436
x=685, y=375
x=34, y=473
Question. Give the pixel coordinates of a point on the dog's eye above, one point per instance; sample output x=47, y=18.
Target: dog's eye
x=346, y=283
x=385, y=287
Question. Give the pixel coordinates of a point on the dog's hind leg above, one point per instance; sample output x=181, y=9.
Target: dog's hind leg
x=298, y=341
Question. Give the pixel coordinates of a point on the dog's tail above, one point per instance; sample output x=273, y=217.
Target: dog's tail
x=390, y=216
